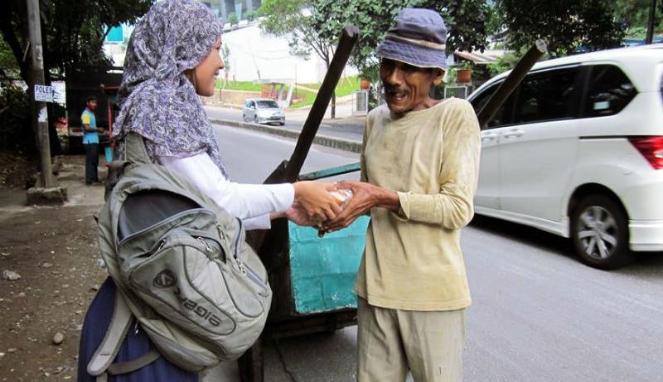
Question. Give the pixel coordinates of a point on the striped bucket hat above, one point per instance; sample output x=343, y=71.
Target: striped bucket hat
x=418, y=38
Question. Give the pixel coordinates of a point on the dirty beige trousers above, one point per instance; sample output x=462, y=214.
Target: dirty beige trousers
x=392, y=342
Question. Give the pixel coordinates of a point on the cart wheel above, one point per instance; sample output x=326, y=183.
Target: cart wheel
x=251, y=365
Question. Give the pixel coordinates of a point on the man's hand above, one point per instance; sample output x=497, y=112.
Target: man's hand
x=365, y=196
x=299, y=216
x=100, y=130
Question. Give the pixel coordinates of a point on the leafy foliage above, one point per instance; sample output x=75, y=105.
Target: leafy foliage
x=295, y=19
x=232, y=19
x=317, y=24
x=15, y=129
x=634, y=14
x=8, y=66
x=73, y=31
x=566, y=25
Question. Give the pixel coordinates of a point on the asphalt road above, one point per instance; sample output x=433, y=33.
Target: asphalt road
x=537, y=313
x=346, y=128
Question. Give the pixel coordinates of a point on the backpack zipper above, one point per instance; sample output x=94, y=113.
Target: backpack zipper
x=247, y=271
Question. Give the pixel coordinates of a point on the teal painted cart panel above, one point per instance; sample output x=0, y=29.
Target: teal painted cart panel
x=322, y=270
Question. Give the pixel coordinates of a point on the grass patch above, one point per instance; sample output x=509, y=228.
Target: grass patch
x=238, y=85
x=304, y=99
x=345, y=87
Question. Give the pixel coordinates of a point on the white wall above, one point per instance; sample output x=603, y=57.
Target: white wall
x=252, y=51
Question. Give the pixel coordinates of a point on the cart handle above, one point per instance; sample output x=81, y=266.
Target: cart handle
x=347, y=42
x=329, y=172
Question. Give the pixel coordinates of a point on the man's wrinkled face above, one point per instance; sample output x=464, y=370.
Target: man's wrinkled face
x=407, y=87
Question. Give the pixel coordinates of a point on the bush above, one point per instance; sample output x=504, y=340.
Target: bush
x=504, y=63
x=251, y=15
x=232, y=19
x=15, y=130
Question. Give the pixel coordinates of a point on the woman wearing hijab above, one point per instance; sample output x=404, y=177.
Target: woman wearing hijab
x=172, y=58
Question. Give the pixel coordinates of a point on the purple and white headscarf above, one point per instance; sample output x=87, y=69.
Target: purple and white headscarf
x=157, y=100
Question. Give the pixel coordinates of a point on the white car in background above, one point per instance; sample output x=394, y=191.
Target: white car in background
x=577, y=150
x=263, y=111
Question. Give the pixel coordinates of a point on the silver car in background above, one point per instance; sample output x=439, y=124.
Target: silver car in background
x=263, y=111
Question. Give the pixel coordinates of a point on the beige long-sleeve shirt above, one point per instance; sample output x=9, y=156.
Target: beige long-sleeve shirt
x=413, y=259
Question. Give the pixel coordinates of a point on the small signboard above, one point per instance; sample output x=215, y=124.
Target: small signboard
x=43, y=93
x=59, y=92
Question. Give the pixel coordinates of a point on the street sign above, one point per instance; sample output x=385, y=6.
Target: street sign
x=59, y=92
x=43, y=93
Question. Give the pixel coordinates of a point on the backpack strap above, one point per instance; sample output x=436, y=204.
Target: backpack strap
x=134, y=150
x=110, y=345
x=101, y=365
x=134, y=364
x=131, y=151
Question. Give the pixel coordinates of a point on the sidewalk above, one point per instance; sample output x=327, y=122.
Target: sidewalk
x=54, y=251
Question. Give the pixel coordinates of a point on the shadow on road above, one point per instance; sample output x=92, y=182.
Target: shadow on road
x=647, y=264
x=524, y=234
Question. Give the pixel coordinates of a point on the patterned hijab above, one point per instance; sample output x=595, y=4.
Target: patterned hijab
x=157, y=100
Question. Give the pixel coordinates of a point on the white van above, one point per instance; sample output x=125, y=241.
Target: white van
x=577, y=150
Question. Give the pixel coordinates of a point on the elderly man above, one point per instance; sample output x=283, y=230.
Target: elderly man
x=419, y=163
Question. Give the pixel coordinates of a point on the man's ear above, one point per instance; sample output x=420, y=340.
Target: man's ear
x=439, y=76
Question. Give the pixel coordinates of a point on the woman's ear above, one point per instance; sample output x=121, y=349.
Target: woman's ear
x=440, y=75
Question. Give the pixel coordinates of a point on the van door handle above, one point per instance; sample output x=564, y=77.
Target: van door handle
x=487, y=137
x=513, y=133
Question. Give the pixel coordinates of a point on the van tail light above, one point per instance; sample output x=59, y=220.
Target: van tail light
x=651, y=148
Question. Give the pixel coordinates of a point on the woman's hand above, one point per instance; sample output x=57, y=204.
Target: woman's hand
x=314, y=199
x=297, y=215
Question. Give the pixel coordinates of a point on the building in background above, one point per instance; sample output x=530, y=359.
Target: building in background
x=253, y=55
x=241, y=8
x=115, y=45
x=258, y=56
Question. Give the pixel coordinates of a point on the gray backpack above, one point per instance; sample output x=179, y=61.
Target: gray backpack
x=182, y=269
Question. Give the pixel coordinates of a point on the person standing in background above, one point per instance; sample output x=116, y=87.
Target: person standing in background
x=91, y=140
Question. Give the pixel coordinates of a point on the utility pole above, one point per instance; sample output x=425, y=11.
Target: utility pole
x=40, y=112
x=650, y=23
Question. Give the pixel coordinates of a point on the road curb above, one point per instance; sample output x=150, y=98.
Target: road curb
x=322, y=140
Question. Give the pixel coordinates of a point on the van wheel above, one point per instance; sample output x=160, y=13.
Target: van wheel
x=599, y=232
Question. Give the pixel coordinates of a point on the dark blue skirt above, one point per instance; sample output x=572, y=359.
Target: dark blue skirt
x=135, y=345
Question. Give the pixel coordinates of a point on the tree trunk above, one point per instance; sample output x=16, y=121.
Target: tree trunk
x=333, y=105
x=54, y=141
x=333, y=100
x=650, y=23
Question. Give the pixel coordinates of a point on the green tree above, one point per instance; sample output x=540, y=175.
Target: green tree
x=566, y=25
x=465, y=20
x=232, y=19
x=296, y=19
x=634, y=14
x=225, y=53
x=73, y=32
x=8, y=66
x=314, y=25
x=251, y=15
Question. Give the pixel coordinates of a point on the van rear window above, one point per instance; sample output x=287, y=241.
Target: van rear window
x=608, y=92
